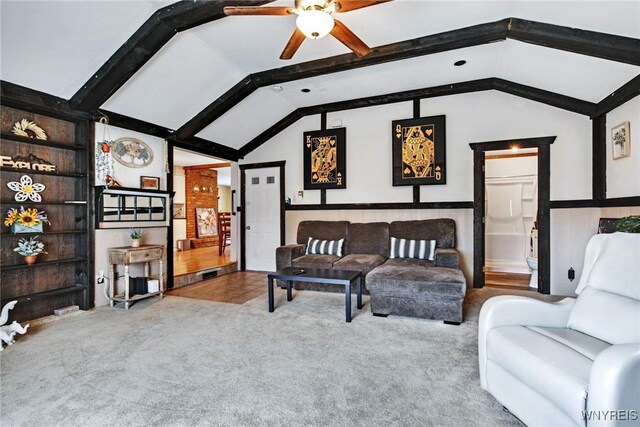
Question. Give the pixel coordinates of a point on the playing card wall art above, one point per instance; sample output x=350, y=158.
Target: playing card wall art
x=419, y=156
x=325, y=159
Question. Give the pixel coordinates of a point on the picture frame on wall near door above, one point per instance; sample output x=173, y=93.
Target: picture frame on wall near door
x=621, y=141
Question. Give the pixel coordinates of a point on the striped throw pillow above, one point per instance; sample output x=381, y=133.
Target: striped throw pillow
x=324, y=247
x=420, y=249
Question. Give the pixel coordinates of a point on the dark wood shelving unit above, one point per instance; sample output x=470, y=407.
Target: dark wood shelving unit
x=36, y=172
x=64, y=275
x=44, y=263
x=44, y=142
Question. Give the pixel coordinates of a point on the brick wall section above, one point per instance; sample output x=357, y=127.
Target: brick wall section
x=201, y=199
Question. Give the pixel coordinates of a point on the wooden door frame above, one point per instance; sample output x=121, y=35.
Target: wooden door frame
x=543, y=144
x=243, y=182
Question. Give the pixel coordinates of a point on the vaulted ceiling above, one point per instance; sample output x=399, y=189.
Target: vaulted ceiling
x=209, y=78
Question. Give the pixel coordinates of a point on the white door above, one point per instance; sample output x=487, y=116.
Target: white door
x=262, y=218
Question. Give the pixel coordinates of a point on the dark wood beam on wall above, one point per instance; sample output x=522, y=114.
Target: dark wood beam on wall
x=256, y=142
x=591, y=43
x=549, y=98
x=204, y=146
x=227, y=101
x=625, y=93
x=456, y=39
x=599, y=157
x=16, y=96
x=130, y=123
x=144, y=44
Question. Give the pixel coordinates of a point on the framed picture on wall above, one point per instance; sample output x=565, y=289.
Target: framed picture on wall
x=419, y=156
x=325, y=159
x=206, y=222
x=150, y=182
x=621, y=141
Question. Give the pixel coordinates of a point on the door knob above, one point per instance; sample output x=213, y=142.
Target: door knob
x=248, y=227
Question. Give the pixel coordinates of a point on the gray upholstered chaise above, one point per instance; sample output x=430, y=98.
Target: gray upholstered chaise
x=420, y=288
x=406, y=287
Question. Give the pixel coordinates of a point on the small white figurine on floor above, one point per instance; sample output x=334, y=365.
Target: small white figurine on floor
x=7, y=332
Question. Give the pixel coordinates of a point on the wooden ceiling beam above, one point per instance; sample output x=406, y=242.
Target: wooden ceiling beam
x=549, y=98
x=600, y=45
x=625, y=93
x=208, y=166
x=144, y=44
x=590, y=43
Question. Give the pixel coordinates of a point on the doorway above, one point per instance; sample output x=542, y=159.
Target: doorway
x=201, y=187
x=542, y=145
x=262, y=223
x=511, y=204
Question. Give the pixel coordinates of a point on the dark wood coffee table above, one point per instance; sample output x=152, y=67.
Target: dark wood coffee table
x=318, y=275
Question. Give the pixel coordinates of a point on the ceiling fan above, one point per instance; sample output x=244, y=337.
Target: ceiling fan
x=314, y=21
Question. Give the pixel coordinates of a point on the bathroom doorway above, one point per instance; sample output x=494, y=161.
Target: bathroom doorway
x=543, y=147
x=511, y=205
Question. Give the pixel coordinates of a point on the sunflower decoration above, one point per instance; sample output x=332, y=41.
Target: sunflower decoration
x=29, y=217
x=26, y=189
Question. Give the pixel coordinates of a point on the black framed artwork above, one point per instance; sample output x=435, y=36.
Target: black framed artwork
x=325, y=159
x=419, y=156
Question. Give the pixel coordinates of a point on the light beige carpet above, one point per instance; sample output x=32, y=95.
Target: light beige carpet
x=185, y=362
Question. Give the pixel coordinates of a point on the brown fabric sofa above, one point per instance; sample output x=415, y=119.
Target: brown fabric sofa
x=402, y=286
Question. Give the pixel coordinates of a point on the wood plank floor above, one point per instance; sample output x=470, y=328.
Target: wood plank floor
x=507, y=280
x=185, y=262
x=235, y=288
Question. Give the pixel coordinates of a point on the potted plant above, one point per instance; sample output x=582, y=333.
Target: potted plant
x=30, y=249
x=135, y=234
x=629, y=224
x=23, y=220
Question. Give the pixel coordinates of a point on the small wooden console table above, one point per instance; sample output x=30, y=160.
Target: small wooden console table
x=129, y=255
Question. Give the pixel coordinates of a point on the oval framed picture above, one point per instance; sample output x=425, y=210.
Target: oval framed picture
x=132, y=152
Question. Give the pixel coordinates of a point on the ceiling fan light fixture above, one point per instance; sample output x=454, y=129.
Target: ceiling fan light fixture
x=315, y=24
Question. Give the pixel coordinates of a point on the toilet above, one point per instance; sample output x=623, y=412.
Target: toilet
x=532, y=259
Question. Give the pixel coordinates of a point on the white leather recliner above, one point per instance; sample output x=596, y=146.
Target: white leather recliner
x=575, y=362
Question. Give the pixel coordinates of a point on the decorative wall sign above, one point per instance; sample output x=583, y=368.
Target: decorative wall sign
x=28, y=129
x=419, y=151
x=150, y=182
x=132, y=152
x=621, y=141
x=26, y=189
x=207, y=222
x=29, y=162
x=325, y=159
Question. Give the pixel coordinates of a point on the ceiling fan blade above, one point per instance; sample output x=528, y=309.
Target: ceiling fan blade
x=250, y=10
x=349, y=5
x=350, y=40
x=293, y=44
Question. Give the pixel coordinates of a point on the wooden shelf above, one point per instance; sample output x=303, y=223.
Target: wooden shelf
x=46, y=294
x=44, y=263
x=43, y=233
x=137, y=297
x=44, y=203
x=44, y=142
x=35, y=172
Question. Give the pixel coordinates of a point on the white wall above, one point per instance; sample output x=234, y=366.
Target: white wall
x=224, y=198
x=623, y=175
x=474, y=117
x=129, y=177
x=179, y=224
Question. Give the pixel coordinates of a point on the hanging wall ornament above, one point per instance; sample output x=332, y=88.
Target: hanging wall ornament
x=28, y=129
x=26, y=189
x=104, y=158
